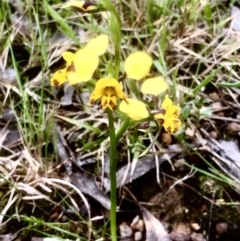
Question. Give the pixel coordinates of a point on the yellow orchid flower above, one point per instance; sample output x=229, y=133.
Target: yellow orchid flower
x=154, y=86
x=108, y=89
x=81, y=65
x=137, y=65
x=135, y=109
x=170, y=120
x=59, y=77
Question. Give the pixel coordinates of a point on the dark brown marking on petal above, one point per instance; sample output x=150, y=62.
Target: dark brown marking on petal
x=92, y=101
x=112, y=105
x=87, y=4
x=169, y=130
x=105, y=94
x=55, y=83
x=176, y=113
x=109, y=92
x=71, y=68
x=175, y=130
x=176, y=125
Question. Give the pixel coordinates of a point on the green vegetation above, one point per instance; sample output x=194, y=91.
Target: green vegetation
x=45, y=129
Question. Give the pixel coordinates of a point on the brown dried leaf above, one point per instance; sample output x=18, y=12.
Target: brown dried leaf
x=154, y=228
x=86, y=183
x=9, y=137
x=143, y=165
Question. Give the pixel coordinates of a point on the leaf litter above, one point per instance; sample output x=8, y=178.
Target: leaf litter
x=23, y=167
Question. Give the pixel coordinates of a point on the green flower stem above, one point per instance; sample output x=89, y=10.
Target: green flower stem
x=122, y=129
x=113, y=181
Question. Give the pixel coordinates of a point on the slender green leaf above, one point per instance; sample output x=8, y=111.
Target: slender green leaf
x=207, y=80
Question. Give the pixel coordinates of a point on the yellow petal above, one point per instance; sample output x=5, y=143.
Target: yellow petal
x=77, y=4
x=135, y=109
x=173, y=111
x=159, y=116
x=138, y=65
x=111, y=82
x=109, y=101
x=177, y=125
x=167, y=102
x=68, y=57
x=98, y=45
x=85, y=63
x=108, y=82
x=168, y=125
x=96, y=94
x=74, y=78
x=82, y=5
x=154, y=86
x=120, y=94
x=59, y=77
x=172, y=125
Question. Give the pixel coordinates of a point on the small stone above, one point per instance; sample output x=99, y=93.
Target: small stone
x=195, y=226
x=179, y=236
x=125, y=230
x=216, y=106
x=220, y=113
x=214, y=96
x=166, y=138
x=213, y=134
x=140, y=225
x=183, y=228
x=197, y=237
x=221, y=228
x=138, y=236
x=204, y=210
